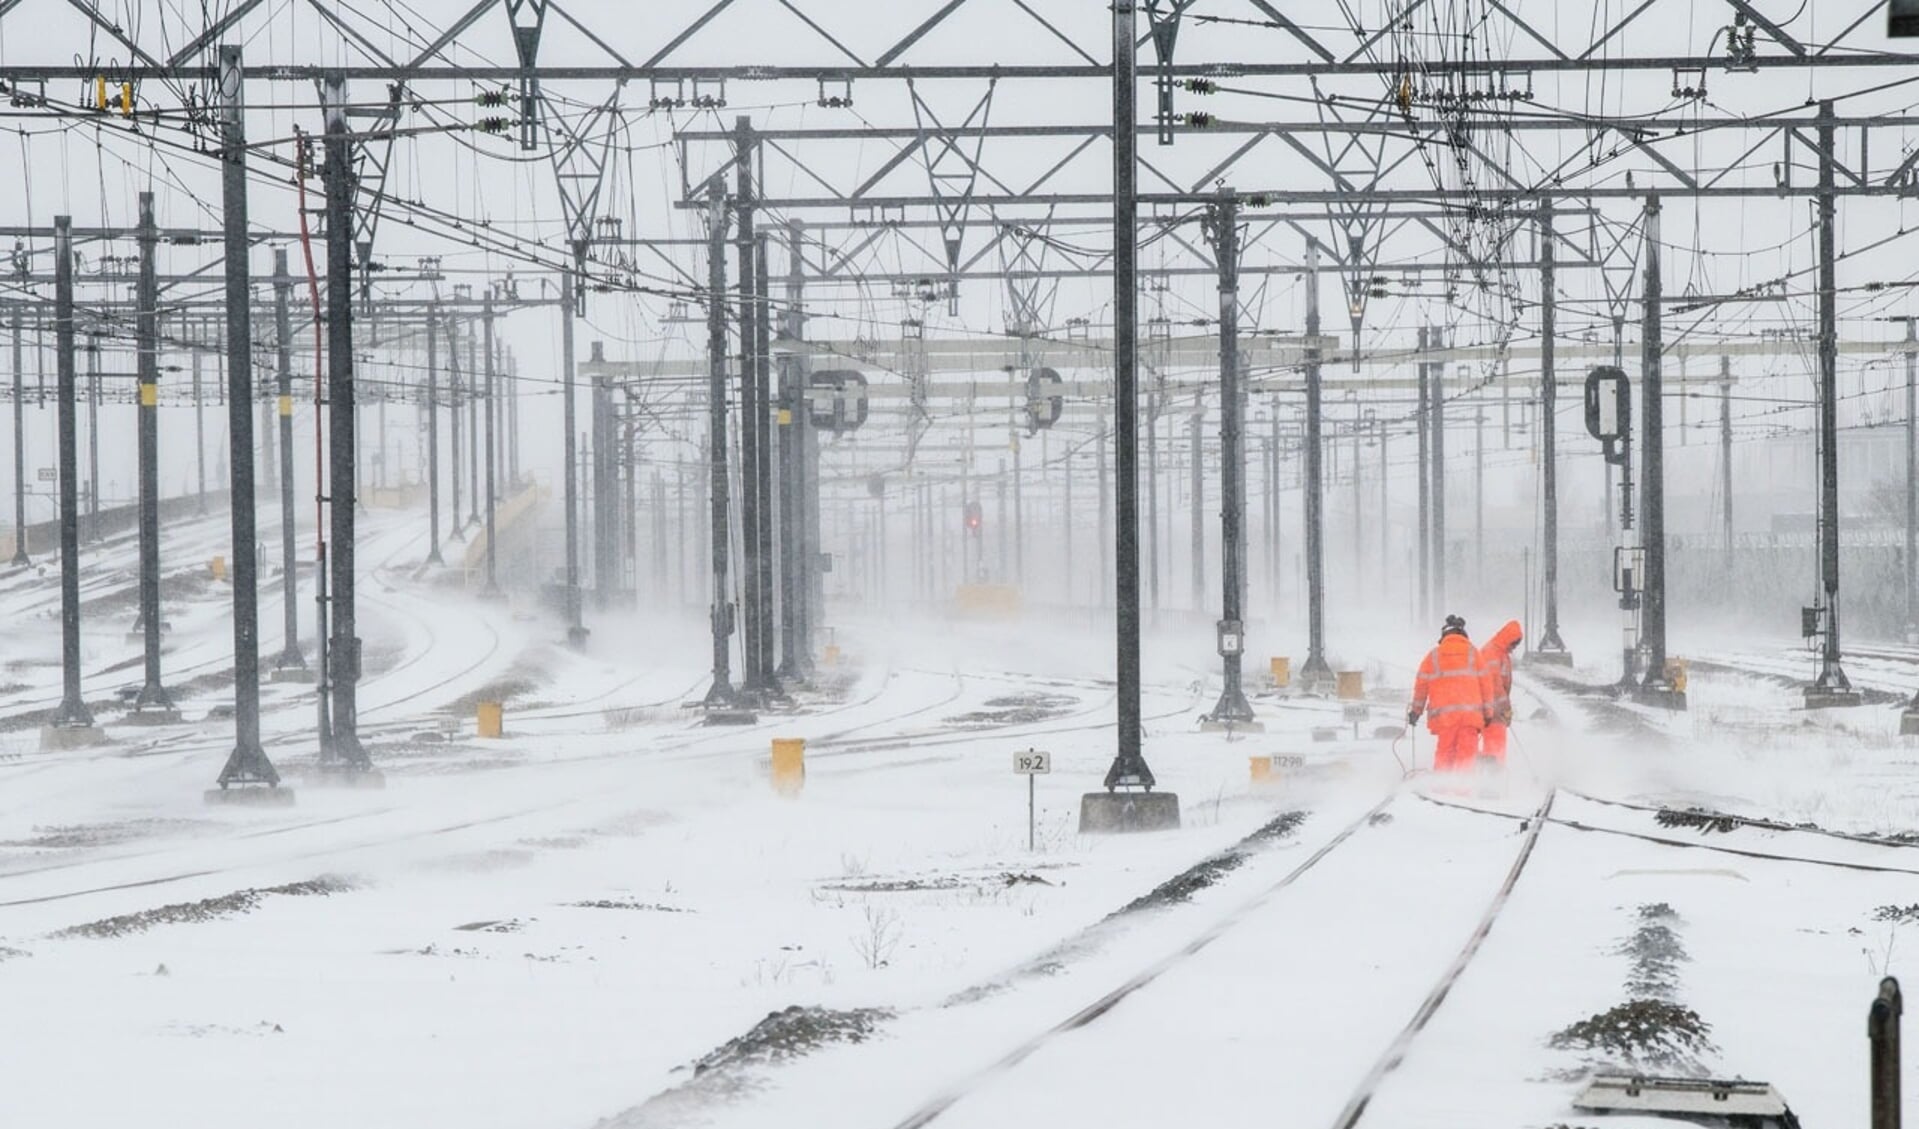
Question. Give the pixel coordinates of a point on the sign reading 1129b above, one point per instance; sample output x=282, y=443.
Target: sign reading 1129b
x=1902, y=19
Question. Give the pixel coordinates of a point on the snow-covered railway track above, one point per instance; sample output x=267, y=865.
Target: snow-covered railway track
x=1098, y=1009
x=1294, y=984
x=1395, y=1054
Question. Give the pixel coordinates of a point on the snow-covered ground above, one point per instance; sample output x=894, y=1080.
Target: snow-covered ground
x=552, y=929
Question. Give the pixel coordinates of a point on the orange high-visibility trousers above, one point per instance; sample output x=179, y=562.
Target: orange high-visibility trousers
x=1492, y=742
x=1458, y=745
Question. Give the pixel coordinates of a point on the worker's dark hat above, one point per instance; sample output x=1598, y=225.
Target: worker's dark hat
x=1455, y=625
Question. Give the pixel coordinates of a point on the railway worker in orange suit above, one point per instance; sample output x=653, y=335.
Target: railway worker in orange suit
x=1497, y=657
x=1453, y=691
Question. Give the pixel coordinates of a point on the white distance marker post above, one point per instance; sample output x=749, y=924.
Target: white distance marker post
x=1032, y=764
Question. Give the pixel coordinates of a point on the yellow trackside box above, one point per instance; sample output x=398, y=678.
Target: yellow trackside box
x=789, y=765
x=218, y=567
x=1351, y=685
x=491, y=719
x=1282, y=672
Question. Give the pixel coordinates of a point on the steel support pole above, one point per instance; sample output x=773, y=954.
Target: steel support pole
x=512, y=422
x=792, y=484
x=456, y=404
x=751, y=683
x=576, y=631
x=1196, y=485
x=1725, y=465
x=1358, y=577
x=20, y=557
x=93, y=433
x=1314, y=673
x=433, y=435
x=1831, y=687
x=1275, y=534
x=1652, y=485
x=343, y=650
x=491, y=412
x=1437, y=387
x=763, y=434
x=1152, y=498
x=806, y=466
x=722, y=692
x=153, y=694
x=73, y=712
x=477, y=392
x=248, y=763
x=605, y=495
x=1129, y=766
x=1425, y=456
x=264, y=427
x=1232, y=707
x=1912, y=467
x=289, y=657
x=1550, y=642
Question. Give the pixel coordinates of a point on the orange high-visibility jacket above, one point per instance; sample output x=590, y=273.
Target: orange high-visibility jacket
x=1497, y=657
x=1453, y=687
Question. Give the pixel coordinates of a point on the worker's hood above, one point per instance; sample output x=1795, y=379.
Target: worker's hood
x=1507, y=637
